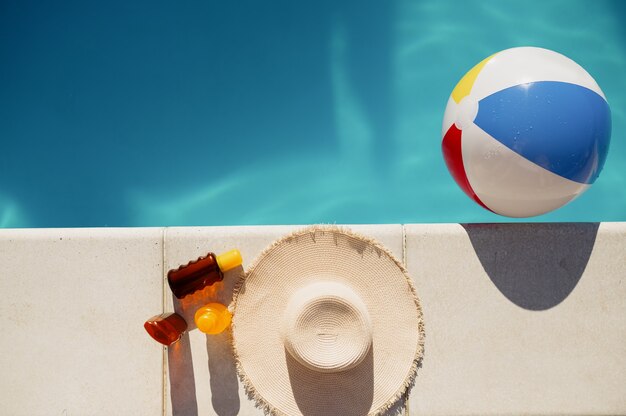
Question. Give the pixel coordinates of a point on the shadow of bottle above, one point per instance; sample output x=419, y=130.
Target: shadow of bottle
x=181, y=376
x=535, y=266
x=223, y=373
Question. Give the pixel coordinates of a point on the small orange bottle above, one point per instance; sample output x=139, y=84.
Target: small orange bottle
x=200, y=273
x=213, y=318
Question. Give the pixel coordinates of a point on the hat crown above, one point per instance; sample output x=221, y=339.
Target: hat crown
x=326, y=327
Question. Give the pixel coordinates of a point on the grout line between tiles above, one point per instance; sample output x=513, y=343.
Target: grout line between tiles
x=163, y=300
x=406, y=397
x=403, y=245
x=163, y=239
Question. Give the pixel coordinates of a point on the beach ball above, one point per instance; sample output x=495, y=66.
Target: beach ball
x=526, y=131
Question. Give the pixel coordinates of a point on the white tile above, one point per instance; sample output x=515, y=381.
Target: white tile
x=73, y=306
x=202, y=375
x=521, y=319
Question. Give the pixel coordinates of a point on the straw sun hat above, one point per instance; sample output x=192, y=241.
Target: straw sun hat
x=327, y=322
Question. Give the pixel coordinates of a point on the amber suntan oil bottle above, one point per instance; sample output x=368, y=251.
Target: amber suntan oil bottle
x=203, y=272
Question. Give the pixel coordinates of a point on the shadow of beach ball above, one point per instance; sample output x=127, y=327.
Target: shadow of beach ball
x=526, y=131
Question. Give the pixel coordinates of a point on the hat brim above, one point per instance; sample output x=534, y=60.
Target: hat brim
x=279, y=383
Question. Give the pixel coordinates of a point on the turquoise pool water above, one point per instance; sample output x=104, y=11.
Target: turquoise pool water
x=152, y=113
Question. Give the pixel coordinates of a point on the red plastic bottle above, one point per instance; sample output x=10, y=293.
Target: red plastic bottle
x=166, y=328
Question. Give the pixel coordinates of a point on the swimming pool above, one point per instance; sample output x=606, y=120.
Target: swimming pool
x=155, y=113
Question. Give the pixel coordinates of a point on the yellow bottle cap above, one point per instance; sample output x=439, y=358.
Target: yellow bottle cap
x=229, y=260
x=213, y=318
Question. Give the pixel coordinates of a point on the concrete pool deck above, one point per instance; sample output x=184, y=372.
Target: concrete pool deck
x=520, y=319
